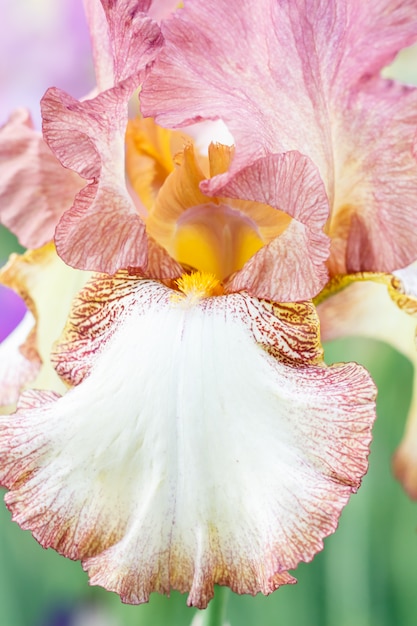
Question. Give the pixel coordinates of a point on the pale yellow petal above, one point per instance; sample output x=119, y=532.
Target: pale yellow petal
x=48, y=286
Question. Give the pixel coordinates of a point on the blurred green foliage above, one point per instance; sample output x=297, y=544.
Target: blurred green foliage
x=8, y=244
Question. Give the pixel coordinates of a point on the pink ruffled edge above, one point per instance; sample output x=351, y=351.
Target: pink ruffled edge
x=102, y=231
x=35, y=189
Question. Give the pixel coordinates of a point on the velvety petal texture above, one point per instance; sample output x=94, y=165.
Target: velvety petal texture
x=162, y=9
x=101, y=44
x=102, y=230
x=227, y=448
x=35, y=189
x=303, y=76
x=122, y=37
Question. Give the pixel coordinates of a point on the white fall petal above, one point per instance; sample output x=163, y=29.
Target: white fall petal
x=206, y=442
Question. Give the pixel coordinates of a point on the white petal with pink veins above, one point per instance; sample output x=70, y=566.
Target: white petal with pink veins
x=202, y=446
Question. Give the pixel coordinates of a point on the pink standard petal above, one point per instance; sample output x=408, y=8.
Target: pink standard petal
x=291, y=267
x=121, y=32
x=135, y=38
x=296, y=54
x=373, y=221
x=300, y=88
x=35, y=189
x=102, y=230
x=101, y=44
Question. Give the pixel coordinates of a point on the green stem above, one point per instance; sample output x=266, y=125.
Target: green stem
x=215, y=613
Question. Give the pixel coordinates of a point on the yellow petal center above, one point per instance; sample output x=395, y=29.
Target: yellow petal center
x=197, y=286
x=215, y=238
x=213, y=235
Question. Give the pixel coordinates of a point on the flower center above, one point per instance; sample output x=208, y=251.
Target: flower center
x=215, y=238
x=213, y=235
x=197, y=286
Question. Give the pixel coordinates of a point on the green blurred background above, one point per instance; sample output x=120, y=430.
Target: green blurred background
x=366, y=575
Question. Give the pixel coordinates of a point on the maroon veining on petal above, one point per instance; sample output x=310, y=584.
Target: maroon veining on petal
x=293, y=265
x=102, y=230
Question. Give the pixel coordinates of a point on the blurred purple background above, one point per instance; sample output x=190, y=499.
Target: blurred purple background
x=12, y=310
x=43, y=43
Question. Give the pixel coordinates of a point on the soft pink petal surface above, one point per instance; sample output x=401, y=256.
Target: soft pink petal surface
x=102, y=230
x=163, y=9
x=290, y=76
x=271, y=78
x=376, y=180
x=101, y=44
x=291, y=267
x=117, y=34
x=35, y=189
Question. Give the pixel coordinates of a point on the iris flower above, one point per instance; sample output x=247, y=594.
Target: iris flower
x=201, y=438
